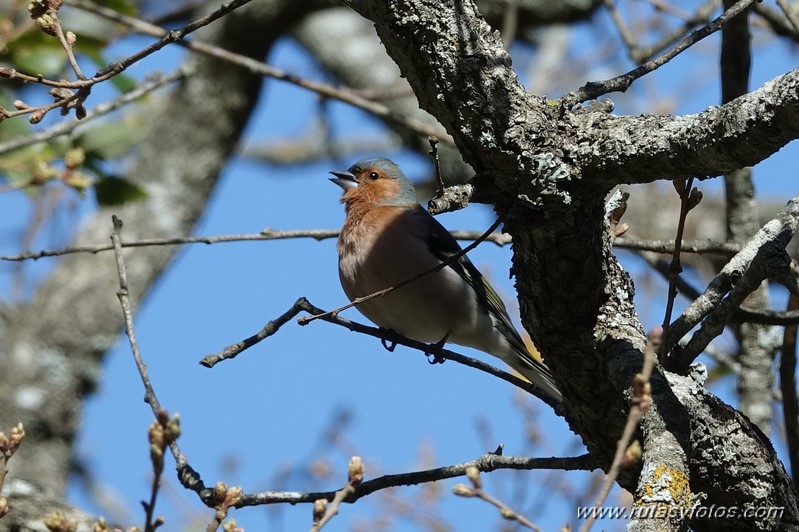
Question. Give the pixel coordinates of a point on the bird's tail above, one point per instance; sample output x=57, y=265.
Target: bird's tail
x=536, y=372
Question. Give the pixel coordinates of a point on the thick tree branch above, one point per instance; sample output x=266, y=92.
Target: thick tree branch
x=547, y=171
x=716, y=141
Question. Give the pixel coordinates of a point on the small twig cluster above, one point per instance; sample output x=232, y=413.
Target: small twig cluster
x=324, y=512
x=476, y=491
x=8, y=446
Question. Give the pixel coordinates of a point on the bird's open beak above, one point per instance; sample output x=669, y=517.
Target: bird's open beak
x=345, y=180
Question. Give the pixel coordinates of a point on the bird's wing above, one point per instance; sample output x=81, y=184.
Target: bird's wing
x=443, y=245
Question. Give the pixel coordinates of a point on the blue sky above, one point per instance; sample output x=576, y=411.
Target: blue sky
x=251, y=420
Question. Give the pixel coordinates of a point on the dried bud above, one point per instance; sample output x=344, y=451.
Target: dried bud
x=319, y=509
x=462, y=490
x=19, y=104
x=71, y=39
x=44, y=171
x=36, y=116
x=355, y=471
x=220, y=490
x=695, y=198
x=61, y=93
x=473, y=474
x=233, y=496
x=632, y=454
x=78, y=181
x=172, y=429
x=74, y=157
x=57, y=522
x=507, y=513
x=15, y=439
x=231, y=526
x=162, y=416
x=37, y=8
x=3, y=506
x=47, y=24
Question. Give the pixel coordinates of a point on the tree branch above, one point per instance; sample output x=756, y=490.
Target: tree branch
x=762, y=257
x=389, y=338
x=486, y=463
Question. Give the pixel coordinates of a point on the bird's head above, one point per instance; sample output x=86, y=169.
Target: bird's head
x=375, y=181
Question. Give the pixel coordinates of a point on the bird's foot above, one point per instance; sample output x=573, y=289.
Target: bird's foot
x=389, y=345
x=434, y=355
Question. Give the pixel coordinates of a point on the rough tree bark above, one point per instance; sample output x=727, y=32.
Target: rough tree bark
x=546, y=169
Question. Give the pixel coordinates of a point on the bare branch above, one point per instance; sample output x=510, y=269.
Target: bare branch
x=594, y=89
x=64, y=128
x=764, y=256
x=390, y=337
x=790, y=14
x=188, y=477
x=778, y=23
x=323, y=89
x=486, y=463
x=688, y=246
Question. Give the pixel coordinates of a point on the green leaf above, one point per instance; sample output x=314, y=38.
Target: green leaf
x=117, y=191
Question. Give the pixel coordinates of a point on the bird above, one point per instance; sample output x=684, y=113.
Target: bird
x=388, y=238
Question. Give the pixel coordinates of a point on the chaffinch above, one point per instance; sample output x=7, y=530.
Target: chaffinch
x=388, y=238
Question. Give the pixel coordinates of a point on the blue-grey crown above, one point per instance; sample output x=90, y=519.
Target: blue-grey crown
x=406, y=194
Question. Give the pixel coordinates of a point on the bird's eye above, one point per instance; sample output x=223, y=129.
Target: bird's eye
x=373, y=175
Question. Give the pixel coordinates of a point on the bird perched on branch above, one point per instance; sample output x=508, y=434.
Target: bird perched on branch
x=388, y=238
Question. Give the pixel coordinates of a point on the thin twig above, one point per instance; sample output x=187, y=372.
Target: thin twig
x=790, y=13
x=486, y=463
x=762, y=257
x=776, y=21
x=594, y=89
x=701, y=16
x=355, y=475
x=62, y=38
x=84, y=84
x=323, y=89
x=303, y=305
x=624, y=31
x=477, y=491
x=124, y=298
x=186, y=474
x=438, y=267
x=499, y=239
x=687, y=246
x=685, y=190
x=64, y=128
x=436, y=164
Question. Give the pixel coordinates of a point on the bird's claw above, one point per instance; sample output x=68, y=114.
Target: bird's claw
x=389, y=345
x=435, y=356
